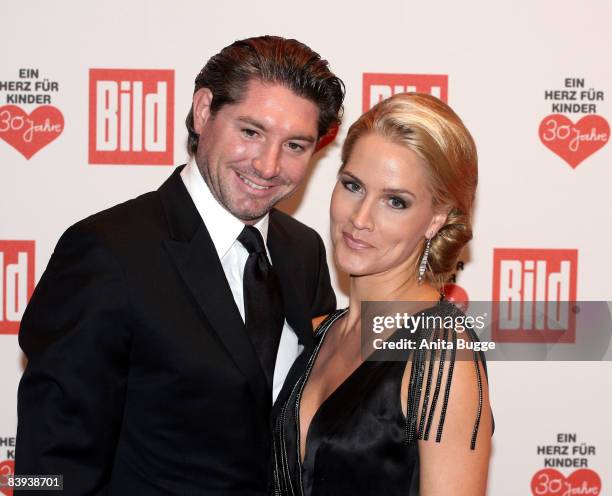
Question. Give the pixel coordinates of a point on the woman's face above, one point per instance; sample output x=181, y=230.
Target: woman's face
x=381, y=209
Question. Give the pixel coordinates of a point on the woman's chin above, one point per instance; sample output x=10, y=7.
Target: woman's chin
x=353, y=267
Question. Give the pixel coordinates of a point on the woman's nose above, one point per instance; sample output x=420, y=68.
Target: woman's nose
x=362, y=215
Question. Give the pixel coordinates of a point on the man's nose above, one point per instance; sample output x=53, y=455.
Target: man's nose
x=267, y=162
x=362, y=215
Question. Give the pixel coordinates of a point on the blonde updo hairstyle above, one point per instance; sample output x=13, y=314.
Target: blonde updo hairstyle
x=433, y=131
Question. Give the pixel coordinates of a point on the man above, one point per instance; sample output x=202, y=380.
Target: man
x=152, y=337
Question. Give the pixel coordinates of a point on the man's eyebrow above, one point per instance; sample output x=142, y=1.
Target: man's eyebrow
x=256, y=124
x=307, y=138
x=252, y=122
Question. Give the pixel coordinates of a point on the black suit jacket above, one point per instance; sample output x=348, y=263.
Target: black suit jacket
x=141, y=379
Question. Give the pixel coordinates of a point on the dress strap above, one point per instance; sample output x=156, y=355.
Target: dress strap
x=327, y=321
x=421, y=382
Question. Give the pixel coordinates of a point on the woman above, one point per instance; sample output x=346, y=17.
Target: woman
x=400, y=214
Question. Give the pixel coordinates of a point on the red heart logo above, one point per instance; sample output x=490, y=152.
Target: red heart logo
x=551, y=482
x=7, y=467
x=574, y=142
x=29, y=133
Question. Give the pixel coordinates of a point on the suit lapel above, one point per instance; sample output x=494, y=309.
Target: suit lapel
x=285, y=261
x=192, y=251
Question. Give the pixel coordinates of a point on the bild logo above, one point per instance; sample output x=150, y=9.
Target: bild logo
x=16, y=282
x=377, y=87
x=131, y=116
x=533, y=295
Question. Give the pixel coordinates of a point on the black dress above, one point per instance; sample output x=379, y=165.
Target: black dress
x=359, y=441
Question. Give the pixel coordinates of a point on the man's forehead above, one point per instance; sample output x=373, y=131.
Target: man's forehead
x=273, y=104
x=270, y=93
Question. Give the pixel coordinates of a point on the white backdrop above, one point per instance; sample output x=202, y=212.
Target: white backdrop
x=505, y=66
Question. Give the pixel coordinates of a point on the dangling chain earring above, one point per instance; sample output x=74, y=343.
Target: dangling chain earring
x=423, y=265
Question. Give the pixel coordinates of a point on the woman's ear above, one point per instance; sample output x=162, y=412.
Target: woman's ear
x=202, y=99
x=438, y=220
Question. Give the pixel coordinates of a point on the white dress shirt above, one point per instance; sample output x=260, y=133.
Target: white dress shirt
x=224, y=230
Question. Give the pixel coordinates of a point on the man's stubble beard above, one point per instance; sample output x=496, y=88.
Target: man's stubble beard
x=223, y=196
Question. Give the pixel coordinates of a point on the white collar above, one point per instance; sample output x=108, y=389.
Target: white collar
x=222, y=226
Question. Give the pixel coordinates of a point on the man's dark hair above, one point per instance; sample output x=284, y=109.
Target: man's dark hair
x=270, y=59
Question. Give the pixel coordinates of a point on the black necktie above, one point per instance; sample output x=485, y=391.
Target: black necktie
x=263, y=304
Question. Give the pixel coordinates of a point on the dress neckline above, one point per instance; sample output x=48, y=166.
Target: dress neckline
x=325, y=326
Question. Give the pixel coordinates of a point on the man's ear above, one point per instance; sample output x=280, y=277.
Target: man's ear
x=436, y=223
x=202, y=100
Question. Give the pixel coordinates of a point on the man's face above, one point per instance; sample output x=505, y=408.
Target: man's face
x=254, y=153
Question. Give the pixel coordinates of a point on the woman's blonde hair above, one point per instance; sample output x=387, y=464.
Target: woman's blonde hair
x=433, y=131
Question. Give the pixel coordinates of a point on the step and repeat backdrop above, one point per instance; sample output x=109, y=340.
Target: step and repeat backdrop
x=93, y=98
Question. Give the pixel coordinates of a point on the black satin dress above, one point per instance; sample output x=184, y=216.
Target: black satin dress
x=359, y=441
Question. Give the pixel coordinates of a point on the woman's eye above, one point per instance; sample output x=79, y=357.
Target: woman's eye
x=352, y=186
x=249, y=133
x=397, y=203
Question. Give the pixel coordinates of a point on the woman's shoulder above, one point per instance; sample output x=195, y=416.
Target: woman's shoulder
x=444, y=307
x=326, y=322
x=439, y=366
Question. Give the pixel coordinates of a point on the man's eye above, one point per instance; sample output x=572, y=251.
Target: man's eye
x=397, y=203
x=352, y=186
x=249, y=133
x=295, y=147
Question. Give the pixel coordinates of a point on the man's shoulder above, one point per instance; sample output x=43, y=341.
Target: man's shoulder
x=138, y=217
x=144, y=215
x=290, y=226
